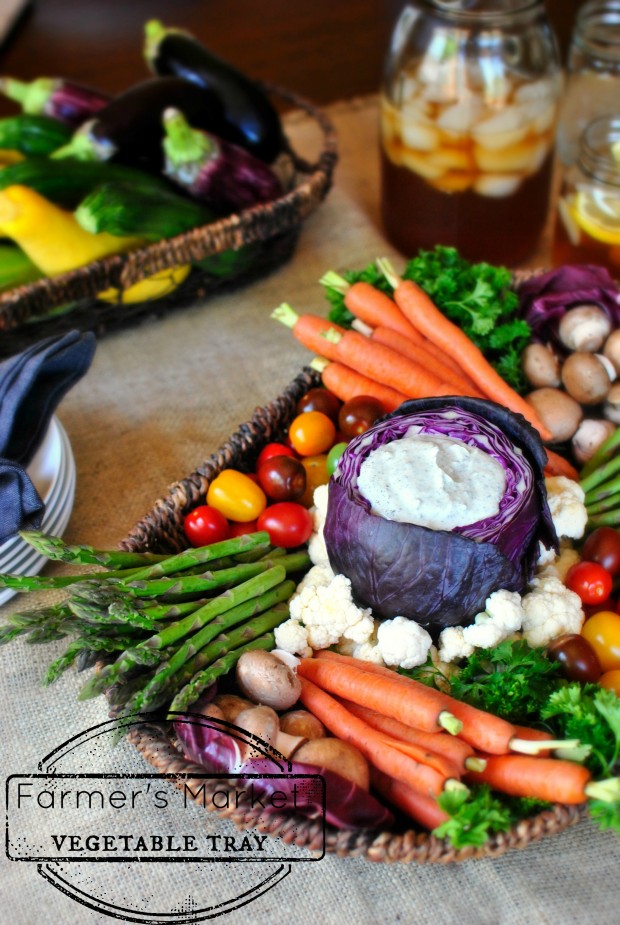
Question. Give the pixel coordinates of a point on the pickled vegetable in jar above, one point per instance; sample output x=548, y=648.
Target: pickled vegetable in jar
x=468, y=116
x=587, y=228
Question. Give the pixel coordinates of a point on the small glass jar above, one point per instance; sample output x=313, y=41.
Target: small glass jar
x=587, y=226
x=593, y=74
x=468, y=118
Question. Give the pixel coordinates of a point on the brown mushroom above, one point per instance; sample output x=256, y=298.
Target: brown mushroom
x=338, y=756
x=590, y=434
x=611, y=408
x=560, y=413
x=585, y=378
x=231, y=705
x=541, y=366
x=264, y=678
x=611, y=349
x=584, y=328
x=302, y=723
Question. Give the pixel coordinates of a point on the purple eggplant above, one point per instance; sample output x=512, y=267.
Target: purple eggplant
x=221, y=174
x=61, y=99
x=252, y=121
x=129, y=129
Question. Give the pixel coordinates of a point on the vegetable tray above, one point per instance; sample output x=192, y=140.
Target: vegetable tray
x=262, y=237
x=161, y=530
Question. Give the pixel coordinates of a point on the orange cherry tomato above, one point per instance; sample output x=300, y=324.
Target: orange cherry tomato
x=311, y=433
x=611, y=680
x=236, y=495
x=602, y=630
x=316, y=474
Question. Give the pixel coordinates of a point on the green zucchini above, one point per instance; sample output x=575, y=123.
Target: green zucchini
x=33, y=134
x=66, y=182
x=16, y=269
x=124, y=210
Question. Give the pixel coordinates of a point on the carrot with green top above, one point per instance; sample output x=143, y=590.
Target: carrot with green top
x=422, y=312
x=551, y=779
x=371, y=305
x=347, y=383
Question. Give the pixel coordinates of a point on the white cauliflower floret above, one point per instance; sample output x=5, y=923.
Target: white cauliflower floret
x=568, y=512
x=327, y=610
x=452, y=645
x=403, y=642
x=558, y=566
x=316, y=544
x=501, y=617
x=368, y=652
x=549, y=611
x=293, y=637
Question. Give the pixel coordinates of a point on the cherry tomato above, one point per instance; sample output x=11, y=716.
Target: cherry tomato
x=320, y=399
x=287, y=523
x=578, y=660
x=358, y=414
x=603, y=633
x=236, y=496
x=273, y=449
x=316, y=474
x=312, y=432
x=282, y=478
x=206, y=525
x=590, y=581
x=240, y=529
x=334, y=455
x=611, y=680
x=603, y=546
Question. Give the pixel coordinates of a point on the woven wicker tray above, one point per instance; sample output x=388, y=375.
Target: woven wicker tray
x=270, y=231
x=161, y=530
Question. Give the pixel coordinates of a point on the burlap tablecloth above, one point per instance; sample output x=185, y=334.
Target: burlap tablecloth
x=158, y=400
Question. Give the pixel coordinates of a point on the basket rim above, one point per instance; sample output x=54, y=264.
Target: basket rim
x=159, y=750
x=259, y=223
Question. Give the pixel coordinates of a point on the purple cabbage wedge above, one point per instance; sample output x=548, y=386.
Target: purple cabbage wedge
x=545, y=298
x=219, y=747
x=442, y=578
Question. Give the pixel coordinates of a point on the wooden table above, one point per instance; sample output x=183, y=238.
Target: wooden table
x=322, y=49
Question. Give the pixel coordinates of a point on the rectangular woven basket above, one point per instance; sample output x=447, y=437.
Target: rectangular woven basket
x=161, y=530
x=267, y=234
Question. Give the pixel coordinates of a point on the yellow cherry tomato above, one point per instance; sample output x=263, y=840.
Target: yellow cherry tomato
x=316, y=474
x=611, y=680
x=311, y=433
x=236, y=496
x=602, y=630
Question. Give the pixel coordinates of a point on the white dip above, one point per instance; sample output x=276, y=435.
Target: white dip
x=432, y=481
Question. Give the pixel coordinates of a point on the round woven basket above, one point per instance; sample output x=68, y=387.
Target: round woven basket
x=161, y=530
x=267, y=234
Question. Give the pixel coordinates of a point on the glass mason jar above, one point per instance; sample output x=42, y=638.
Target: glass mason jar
x=588, y=221
x=593, y=74
x=468, y=117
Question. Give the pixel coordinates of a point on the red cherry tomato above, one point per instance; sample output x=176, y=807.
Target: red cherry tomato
x=611, y=680
x=358, y=414
x=288, y=524
x=273, y=449
x=312, y=432
x=590, y=581
x=320, y=399
x=603, y=633
x=205, y=525
x=578, y=660
x=240, y=529
x=603, y=546
x=316, y=474
x=282, y=478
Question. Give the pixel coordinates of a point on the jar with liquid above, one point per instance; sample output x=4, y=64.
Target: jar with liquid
x=468, y=118
x=593, y=74
x=588, y=220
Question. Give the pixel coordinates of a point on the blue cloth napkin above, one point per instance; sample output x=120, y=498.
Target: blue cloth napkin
x=31, y=386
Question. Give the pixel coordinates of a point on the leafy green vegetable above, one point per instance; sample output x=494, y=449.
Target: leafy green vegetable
x=513, y=680
x=478, y=297
x=591, y=714
x=474, y=815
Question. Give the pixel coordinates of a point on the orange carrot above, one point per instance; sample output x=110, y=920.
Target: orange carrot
x=346, y=383
x=451, y=747
x=376, y=308
x=535, y=735
x=419, y=705
x=421, y=808
x=370, y=743
x=549, y=779
x=310, y=330
x=557, y=465
x=422, y=312
x=420, y=354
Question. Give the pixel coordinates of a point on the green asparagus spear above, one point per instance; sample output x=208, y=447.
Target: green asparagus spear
x=53, y=547
x=203, y=554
